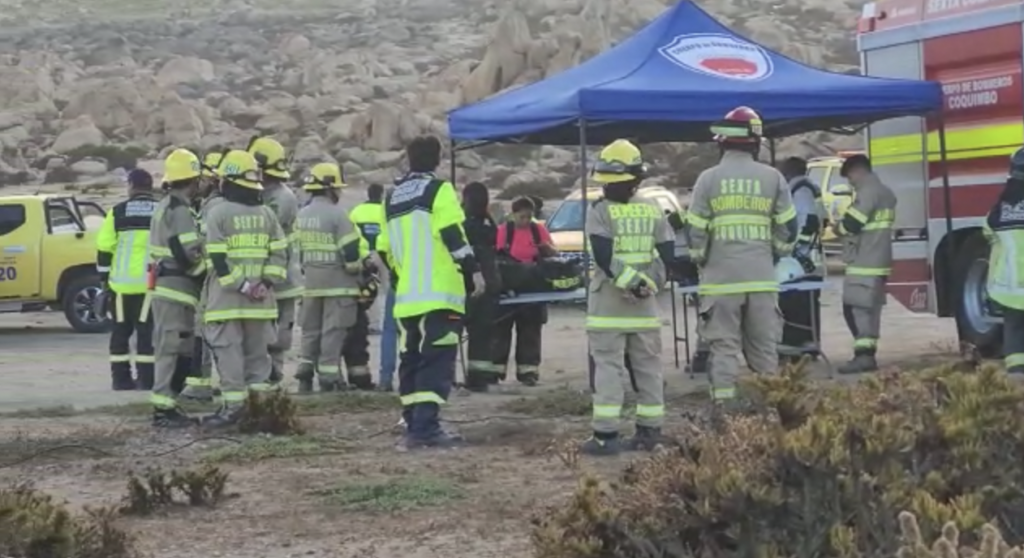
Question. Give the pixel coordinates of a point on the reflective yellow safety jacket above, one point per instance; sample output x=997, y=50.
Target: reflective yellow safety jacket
x=741, y=217
x=626, y=240
x=328, y=246
x=866, y=230
x=368, y=217
x=285, y=204
x=122, y=245
x=1004, y=229
x=176, y=251
x=244, y=244
x=426, y=246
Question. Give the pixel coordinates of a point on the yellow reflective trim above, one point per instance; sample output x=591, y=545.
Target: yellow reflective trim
x=865, y=343
x=856, y=214
x=217, y=248
x=278, y=245
x=601, y=322
x=697, y=221
x=422, y=397
x=120, y=358
x=877, y=226
x=240, y=314
x=177, y=296
x=786, y=215
x=318, y=246
x=635, y=258
x=198, y=382
x=624, y=278
x=230, y=279
x=233, y=396
x=157, y=252
x=275, y=271
x=328, y=369
x=869, y=271
x=261, y=387
x=962, y=143
x=185, y=238
x=738, y=288
x=162, y=401
x=319, y=293
x=144, y=359
x=1015, y=359
x=730, y=220
x=248, y=253
x=718, y=394
x=290, y=293
x=650, y=411
x=607, y=411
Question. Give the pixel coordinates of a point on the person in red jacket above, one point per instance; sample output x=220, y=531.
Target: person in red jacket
x=525, y=240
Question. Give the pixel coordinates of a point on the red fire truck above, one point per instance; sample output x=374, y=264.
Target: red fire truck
x=974, y=48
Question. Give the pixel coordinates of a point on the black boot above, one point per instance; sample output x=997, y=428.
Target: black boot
x=172, y=418
x=144, y=382
x=478, y=382
x=529, y=379
x=275, y=376
x=182, y=370
x=602, y=444
x=362, y=382
x=646, y=438
x=305, y=375
x=861, y=363
x=699, y=365
x=225, y=417
x=331, y=383
x=121, y=377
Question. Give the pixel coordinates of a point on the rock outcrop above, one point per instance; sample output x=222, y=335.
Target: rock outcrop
x=351, y=84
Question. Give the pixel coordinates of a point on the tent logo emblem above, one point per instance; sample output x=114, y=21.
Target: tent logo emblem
x=722, y=56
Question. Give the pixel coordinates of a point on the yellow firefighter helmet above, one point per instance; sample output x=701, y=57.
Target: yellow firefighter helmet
x=323, y=176
x=240, y=167
x=270, y=155
x=210, y=164
x=620, y=161
x=181, y=165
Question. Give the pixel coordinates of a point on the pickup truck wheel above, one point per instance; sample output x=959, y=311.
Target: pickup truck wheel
x=973, y=311
x=79, y=298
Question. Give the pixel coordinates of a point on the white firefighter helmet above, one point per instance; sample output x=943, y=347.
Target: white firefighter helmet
x=788, y=269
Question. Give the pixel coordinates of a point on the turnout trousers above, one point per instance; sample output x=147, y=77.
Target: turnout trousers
x=199, y=382
x=1013, y=339
x=239, y=350
x=174, y=324
x=645, y=377
x=863, y=300
x=326, y=322
x=132, y=316
x=282, y=341
x=735, y=323
x=429, y=347
x=356, y=349
x=526, y=321
x=480, y=330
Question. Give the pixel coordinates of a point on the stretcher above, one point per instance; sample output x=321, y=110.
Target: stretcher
x=579, y=295
x=690, y=290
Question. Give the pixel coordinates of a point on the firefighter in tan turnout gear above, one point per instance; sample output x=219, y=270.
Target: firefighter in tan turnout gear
x=741, y=221
x=866, y=232
x=199, y=384
x=270, y=155
x=328, y=246
x=176, y=275
x=247, y=253
x=628, y=236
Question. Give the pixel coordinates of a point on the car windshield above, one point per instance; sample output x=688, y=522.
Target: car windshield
x=568, y=217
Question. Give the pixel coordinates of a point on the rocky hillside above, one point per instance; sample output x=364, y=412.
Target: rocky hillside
x=349, y=80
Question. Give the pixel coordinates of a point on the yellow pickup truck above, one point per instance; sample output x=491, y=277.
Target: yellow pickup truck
x=48, y=258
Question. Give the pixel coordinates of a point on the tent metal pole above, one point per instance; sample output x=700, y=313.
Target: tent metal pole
x=586, y=204
x=451, y=164
x=947, y=193
x=771, y=150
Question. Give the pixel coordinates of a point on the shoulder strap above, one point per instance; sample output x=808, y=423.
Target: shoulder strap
x=510, y=228
x=535, y=231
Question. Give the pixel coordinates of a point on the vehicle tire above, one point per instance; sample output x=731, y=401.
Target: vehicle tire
x=972, y=307
x=77, y=303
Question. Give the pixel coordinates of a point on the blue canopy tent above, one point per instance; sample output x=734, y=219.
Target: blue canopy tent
x=673, y=79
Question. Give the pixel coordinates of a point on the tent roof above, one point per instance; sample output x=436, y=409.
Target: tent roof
x=675, y=77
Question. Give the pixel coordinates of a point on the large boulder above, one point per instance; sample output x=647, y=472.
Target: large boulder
x=78, y=133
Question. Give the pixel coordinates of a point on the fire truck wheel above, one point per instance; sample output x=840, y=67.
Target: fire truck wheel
x=973, y=310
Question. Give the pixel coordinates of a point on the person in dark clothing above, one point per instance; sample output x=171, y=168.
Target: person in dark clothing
x=481, y=233
x=524, y=240
x=801, y=310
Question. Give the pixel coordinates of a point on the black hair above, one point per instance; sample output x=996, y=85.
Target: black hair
x=424, y=154
x=476, y=199
x=854, y=162
x=523, y=204
x=794, y=166
x=375, y=192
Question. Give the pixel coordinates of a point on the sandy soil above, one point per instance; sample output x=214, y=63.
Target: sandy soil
x=341, y=491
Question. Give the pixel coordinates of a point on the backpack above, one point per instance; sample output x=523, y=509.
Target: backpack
x=510, y=229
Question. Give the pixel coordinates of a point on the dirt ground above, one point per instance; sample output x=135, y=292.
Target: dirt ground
x=341, y=490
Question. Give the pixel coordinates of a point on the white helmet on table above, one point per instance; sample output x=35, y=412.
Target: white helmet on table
x=788, y=269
